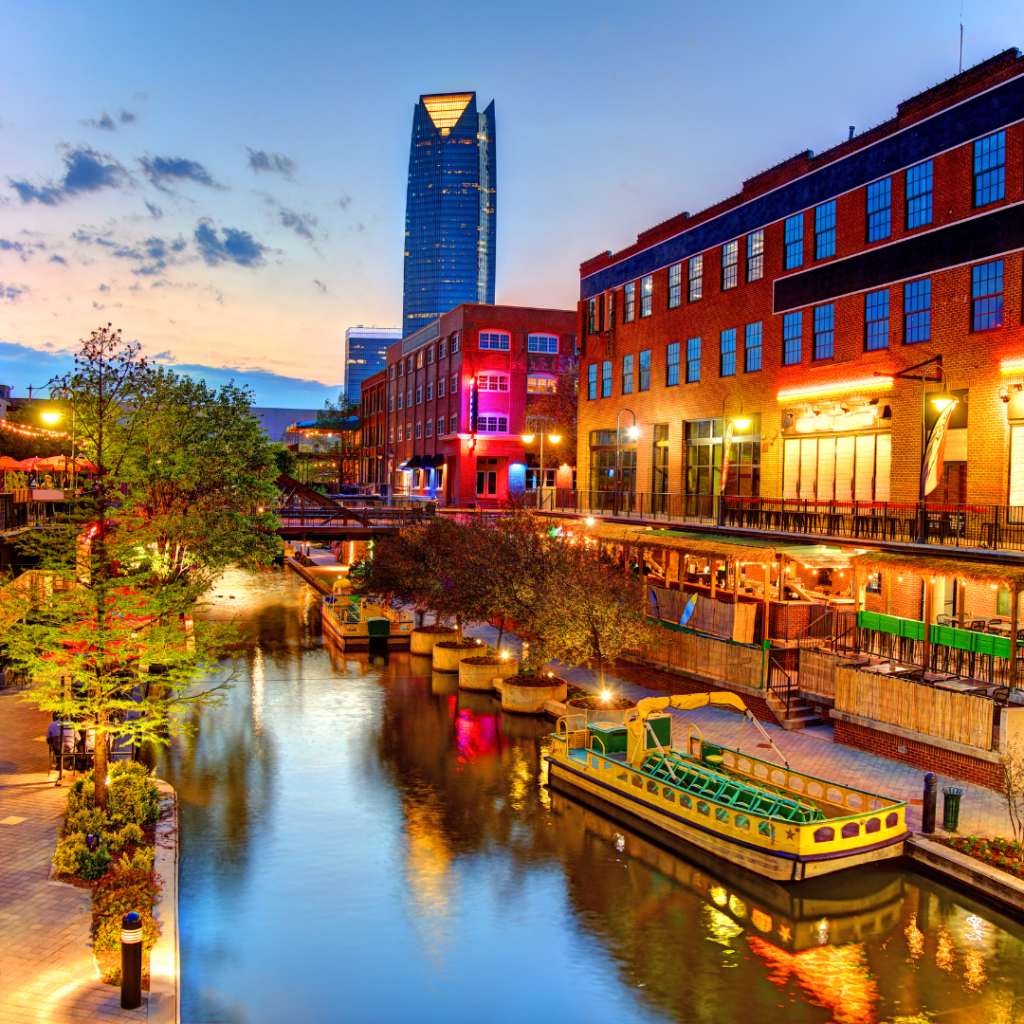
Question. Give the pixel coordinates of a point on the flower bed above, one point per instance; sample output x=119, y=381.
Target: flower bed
x=998, y=853
x=119, y=868
x=459, y=645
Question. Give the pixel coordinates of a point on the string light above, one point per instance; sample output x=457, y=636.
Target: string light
x=25, y=431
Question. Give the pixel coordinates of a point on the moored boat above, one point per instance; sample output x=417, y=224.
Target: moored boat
x=358, y=620
x=761, y=815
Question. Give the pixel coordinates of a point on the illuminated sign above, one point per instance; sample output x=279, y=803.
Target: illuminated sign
x=472, y=407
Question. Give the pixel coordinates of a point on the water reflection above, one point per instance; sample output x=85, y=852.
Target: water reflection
x=362, y=840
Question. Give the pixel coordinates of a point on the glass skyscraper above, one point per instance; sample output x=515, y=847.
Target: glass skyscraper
x=449, y=209
x=366, y=353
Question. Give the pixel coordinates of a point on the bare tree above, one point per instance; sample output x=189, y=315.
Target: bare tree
x=1011, y=764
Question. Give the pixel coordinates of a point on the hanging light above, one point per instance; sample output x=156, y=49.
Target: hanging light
x=944, y=399
x=741, y=422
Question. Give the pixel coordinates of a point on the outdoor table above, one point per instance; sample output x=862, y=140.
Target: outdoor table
x=960, y=687
x=886, y=668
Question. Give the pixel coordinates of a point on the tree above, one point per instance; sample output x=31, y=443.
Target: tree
x=1011, y=764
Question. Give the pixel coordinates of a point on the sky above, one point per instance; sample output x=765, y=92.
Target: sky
x=225, y=181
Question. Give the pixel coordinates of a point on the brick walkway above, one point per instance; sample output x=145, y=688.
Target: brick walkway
x=46, y=966
x=983, y=812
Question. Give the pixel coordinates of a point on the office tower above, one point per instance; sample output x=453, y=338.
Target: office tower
x=366, y=352
x=450, y=208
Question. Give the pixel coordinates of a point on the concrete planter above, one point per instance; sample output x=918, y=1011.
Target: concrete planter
x=481, y=677
x=529, y=700
x=447, y=659
x=422, y=641
x=572, y=707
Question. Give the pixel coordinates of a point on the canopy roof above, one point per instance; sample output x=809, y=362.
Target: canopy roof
x=927, y=565
x=718, y=546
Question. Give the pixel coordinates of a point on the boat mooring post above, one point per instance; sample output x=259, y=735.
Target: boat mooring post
x=131, y=961
x=928, y=808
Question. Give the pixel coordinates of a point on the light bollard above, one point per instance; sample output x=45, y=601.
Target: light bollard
x=131, y=961
x=928, y=804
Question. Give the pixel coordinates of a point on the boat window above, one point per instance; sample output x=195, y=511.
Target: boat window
x=795, y=782
x=638, y=782
x=825, y=834
x=685, y=801
x=743, y=765
x=595, y=762
x=891, y=820
x=814, y=789
x=874, y=805
x=741, y=821
x=835, y=795
x=669, y=795
x=873, y=825
x=760, y=771
x=622, y=776
x=703, y=808
x=652, y=787
x=851, y=829
x=766, y=829
x=855, y=801
x=779, y=778
x=721, y=814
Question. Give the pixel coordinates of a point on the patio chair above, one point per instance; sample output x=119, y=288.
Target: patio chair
x=1001, y=696
x=944, y=620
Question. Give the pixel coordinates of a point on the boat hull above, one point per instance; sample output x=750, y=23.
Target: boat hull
x=683, y=835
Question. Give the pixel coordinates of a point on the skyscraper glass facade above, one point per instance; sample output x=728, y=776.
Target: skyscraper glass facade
x=450, y=208
x=366, y=353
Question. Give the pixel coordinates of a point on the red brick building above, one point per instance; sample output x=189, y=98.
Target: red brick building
x=459, y=392
x=373, y=413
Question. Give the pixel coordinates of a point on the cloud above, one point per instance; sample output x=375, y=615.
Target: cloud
x=107, y=123
x=153, y=254
x=271, y=163
x=166, y=357
x=58, y=259
x=321, y=287
x=85, y=170
x=25, y=250
x=235, y=247
x=161, y=169
x=154, y=211
x=344, y=202
x=8, y=246
x=12, y=292
x=301, y=223
x=127, y=117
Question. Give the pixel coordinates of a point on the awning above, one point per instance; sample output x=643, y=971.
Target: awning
x=438, y=461
x=992, y=573
x=415, y=462
x=697, y=544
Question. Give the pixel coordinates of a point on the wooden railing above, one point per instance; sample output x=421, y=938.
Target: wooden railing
x=706, y=656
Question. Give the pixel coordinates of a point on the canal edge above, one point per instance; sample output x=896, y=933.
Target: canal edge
x=980, y=879
x=164, y=1004
x=313, y=581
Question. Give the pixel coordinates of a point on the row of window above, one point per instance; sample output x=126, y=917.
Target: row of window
x=406, y=399
x=496, y=341
x=406, y=434
x=988, y=186
x=404, y=366
x=986, y=314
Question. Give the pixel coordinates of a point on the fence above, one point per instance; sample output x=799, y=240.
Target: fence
x=956, y=717
x=706, y=656
x=721, y=618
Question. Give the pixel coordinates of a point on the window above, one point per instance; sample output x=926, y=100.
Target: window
x=430, y=390
x=692, y=360
x=408, y=365
x=542, y=343
x=727, y=345
x=497, y=340
x=987, y=296
x=419, y=360
x=592, y=381
x=399, y=431
x=695, y=278
x=876, y=320
x=455, y=343
x=792, y=338
x=391, y=435
x=430, y=355
x=591, y=317
x=825, y=230
x=401, y=367
x=391, y=372
x=627, y=375
x=609, y=310
x=391, y=404
x=675, y=285
x=917, y=311
x=440, y=425
x=541, y=384
x=824, y=331
x=879, y=209
x=629, y=296
x=919, y=195
x=453, y=384
x=645, y=371
x=492, y=382
x=440, y=387
x=990, y=169
x=408, y=399
x=752, y=348
x=430, y=428
x=419, y=394
x=492, y=424
x=400, y=398
x=441, y=349
x=730, y=264
x=453, y=424
x=755, y=255
x=606, y=379
x=659, y=478
x=794, y=241
x=672, y=372
x=646, y=294
x=419, y=429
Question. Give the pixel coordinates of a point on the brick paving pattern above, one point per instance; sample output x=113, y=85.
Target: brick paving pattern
x=46, y=965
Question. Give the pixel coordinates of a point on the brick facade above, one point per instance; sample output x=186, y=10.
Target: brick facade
x=374, y=404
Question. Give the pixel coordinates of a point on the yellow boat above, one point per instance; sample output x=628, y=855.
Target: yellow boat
x=356, y=620
x=758, y=814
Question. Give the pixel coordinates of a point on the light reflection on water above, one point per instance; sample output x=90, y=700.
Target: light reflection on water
x=363, y=841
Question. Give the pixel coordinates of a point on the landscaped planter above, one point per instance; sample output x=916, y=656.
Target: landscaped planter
x=614, y=710
x=479, y=673
x=423, y=638
x=448, y=653
x=526, y=695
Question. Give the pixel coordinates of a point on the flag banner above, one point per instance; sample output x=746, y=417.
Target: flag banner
x=730, y=429
x=935, y=452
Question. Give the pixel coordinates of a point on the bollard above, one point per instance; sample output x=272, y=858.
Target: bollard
x=928, y=810
x=951, y=807
x=131, y=961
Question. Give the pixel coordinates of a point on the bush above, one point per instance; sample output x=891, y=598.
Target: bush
x=130, y=833
x=80, y=794
x=118, y=894
x=87, y=820
x=94, y=865
x=141, y=860
x=69, y=853
x=131, y=794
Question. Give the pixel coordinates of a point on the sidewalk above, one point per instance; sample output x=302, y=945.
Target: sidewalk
x=983, y=812
x=46, y=966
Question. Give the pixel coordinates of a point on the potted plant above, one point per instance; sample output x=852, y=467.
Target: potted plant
x=478, y=672
x=449, y=653
x=528, y=692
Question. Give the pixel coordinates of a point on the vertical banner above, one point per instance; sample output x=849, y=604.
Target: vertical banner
x=730, y=429
x=472, y=407
x=935, y=452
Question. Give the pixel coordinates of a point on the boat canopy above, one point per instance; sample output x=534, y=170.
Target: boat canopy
x=689, y=701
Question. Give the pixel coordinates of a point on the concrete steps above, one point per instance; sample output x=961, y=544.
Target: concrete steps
x=798, y=716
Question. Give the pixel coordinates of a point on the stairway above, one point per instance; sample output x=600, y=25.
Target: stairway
x=799, y=715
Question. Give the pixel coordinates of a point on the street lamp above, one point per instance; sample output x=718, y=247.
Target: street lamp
x=529, y=438
x=632, y=432
x=50, y=418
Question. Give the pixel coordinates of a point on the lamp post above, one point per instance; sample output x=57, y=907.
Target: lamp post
x=528, y=439
x=633, y=432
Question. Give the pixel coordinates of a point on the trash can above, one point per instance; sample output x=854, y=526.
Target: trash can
x=951, y=807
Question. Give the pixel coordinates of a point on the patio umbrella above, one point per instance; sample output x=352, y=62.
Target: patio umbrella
x=30, y=464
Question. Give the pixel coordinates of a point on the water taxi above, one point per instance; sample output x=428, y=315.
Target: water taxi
x=760, y=815
x=358, y=620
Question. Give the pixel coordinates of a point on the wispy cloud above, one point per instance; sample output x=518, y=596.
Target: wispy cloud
x=85, y=170
x=58, y=259
x=163, y=169
x=12, y=292
x=301, y=223
x=260, y=161
x=320, y=286
x=154, y=211
x=107, y=124
x=230, y=245
x=345, y=202
x=153, y=255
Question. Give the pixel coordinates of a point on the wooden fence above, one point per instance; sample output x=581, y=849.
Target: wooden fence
x=956, y=717
x=707, y=656
x=722, y=618
x=818, y=673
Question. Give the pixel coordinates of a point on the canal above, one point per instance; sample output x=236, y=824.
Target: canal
x=361, y=841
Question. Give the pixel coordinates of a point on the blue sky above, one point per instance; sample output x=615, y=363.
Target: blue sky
x=226, y=181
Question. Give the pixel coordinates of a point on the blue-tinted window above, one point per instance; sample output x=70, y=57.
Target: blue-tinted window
x=917, y=311
x=825, y=230
x=755, y=255
x=592, y=316
x=497, y=340
x=592, y=381
x=879, y=209
x=876, y=320
x=987, y=296
x=644, y=384
x=792, y=338
x=646, y=294
x=675, y=285
x=824, y=331
x=919, y=195
x=795, y=241
x=627, y=375
x=672, y=374
x=629, y=298
x=695, y=278
x=542, y=343
x=730, y=264
x=728, y=351
x=990, y=169
x=692, y=360
x=752, y=348
x=606, y=379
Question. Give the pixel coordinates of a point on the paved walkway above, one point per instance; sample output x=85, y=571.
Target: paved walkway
x=983, y=812
x=46, y=966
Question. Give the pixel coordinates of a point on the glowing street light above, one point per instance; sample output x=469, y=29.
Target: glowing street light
x=50, y=418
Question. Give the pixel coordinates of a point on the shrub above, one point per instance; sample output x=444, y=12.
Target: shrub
x=131, y=794
x=94, y=865
x=141, y=860
x=87, y=820
x=80, y=795
x=130, y=833
x=118, y=894
x=68, y=856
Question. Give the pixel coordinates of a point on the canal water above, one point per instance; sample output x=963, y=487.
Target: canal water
x=363, y=842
